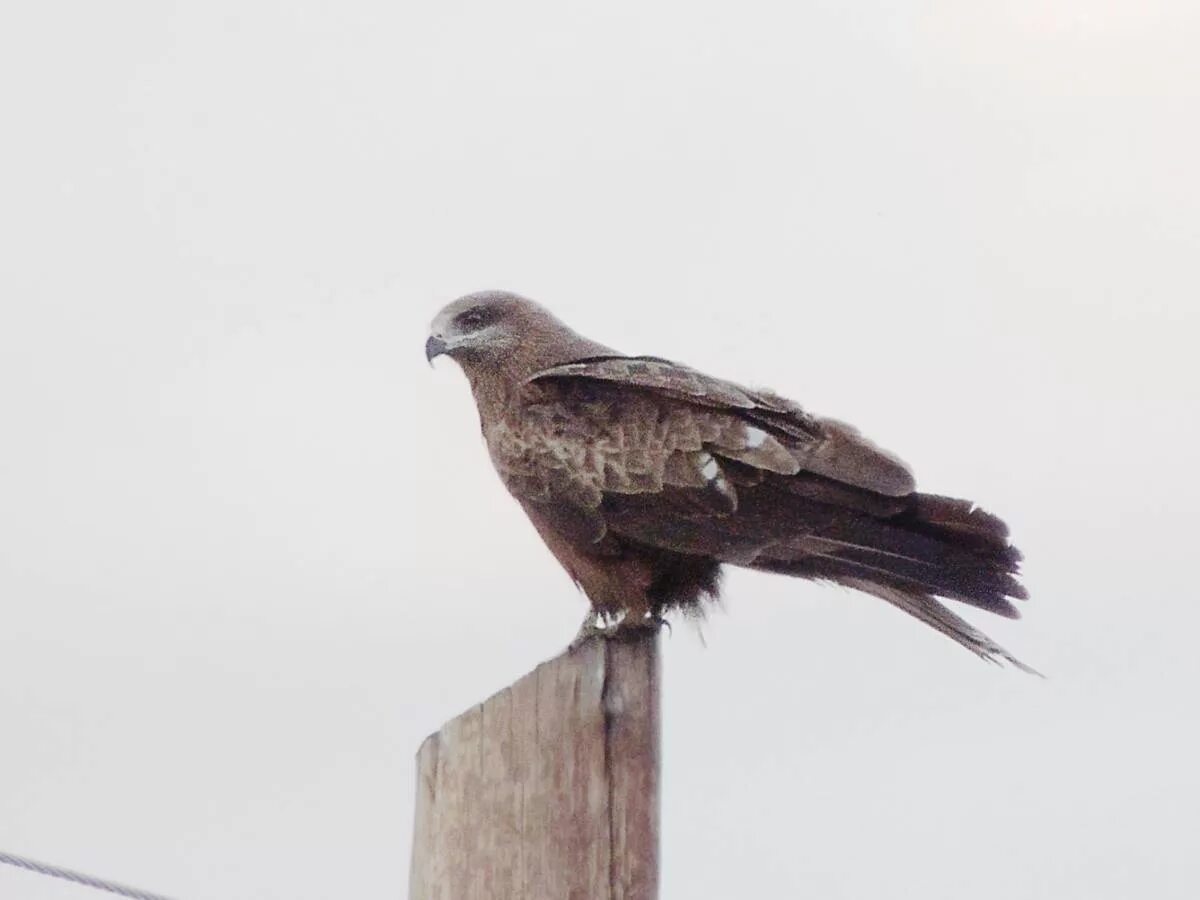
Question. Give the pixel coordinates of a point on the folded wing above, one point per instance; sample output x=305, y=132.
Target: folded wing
x=642, y=450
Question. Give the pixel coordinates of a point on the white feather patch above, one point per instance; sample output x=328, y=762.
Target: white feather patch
x=755, y=437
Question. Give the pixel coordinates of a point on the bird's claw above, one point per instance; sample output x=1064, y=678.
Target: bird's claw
x=619, y=627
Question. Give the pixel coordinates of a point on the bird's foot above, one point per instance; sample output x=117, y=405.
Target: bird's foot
x=619, y=627
x=594, y=625
x=657, y=622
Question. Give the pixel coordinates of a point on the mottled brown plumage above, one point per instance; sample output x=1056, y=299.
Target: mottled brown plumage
x=644, y=476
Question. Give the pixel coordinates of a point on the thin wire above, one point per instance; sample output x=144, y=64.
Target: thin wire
x=77, y=877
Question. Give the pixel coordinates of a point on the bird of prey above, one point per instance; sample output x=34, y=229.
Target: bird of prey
x=644, y=477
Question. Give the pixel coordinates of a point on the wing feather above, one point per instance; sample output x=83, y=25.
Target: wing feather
x=643, y=451
x=660, y=375
x=759, y=428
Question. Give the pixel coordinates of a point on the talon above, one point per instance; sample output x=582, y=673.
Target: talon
x=634, y=628
x=594, y=625
x=616, y=626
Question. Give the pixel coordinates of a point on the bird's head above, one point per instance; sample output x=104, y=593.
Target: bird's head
x=487, y=327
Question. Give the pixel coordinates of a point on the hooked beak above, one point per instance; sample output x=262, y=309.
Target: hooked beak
x=434, y=347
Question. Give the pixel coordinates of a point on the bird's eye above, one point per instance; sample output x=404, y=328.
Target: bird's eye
x=474, y=318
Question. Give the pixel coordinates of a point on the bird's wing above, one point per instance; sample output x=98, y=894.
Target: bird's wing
x=759, y=428
x=664, y=456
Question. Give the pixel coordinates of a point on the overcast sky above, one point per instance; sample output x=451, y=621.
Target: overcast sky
x=251, y=547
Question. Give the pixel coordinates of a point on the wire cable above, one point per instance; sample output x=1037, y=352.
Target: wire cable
x=78, y=877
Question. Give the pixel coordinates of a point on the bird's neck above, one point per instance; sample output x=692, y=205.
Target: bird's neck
x=493, y=394
x=497, y=383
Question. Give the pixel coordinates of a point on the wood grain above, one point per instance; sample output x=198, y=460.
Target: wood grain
x=550, y=788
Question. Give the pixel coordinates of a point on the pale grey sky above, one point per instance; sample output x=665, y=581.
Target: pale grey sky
x=253, y=550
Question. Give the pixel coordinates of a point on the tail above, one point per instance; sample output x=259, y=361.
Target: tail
x=928, y=548
x=928, y=610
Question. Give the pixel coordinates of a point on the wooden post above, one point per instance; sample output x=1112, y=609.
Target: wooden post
x=549, y=789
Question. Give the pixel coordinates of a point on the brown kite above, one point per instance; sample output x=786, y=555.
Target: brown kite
x=644, y=476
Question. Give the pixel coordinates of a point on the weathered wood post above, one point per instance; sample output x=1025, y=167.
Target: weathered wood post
x=549, y=789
